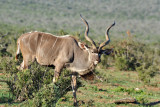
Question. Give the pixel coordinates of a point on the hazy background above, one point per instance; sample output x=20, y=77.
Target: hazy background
x=141, y=17
x=131, y=71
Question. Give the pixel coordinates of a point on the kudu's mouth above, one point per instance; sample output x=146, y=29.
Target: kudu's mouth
x=96, y=62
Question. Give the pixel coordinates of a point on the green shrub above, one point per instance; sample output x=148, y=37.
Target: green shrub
x=146, y=73
x=104, y=62
x=3, y=52
x=122, y=63
x=130, y=54
x=36, y=83
x=49, y=94
x=125, y=55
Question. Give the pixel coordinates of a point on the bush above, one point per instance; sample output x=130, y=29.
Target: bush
x=122, y=63
x=145, y=74
x=49, y=94
x=104, y=62
x=130, y=54
x=36, y=83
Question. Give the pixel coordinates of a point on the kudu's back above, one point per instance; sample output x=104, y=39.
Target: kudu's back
x=43, y=47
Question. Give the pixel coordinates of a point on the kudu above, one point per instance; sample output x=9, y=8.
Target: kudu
x=61, y=51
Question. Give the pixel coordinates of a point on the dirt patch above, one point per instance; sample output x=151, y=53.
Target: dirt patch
x=100, y=85
x=111, y=68
x=1, y=74
x=153, y=88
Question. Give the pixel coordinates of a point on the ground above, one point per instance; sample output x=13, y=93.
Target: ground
x=116, y=85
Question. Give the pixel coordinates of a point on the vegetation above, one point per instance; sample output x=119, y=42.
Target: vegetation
x=130, y=71
x=51, y=16
x=34, y=86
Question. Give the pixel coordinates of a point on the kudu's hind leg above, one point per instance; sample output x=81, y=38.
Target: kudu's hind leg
x=26, y=60
x=21, y=66
x=74, y=88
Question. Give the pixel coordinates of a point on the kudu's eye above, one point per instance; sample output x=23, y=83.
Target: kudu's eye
x=92, y=51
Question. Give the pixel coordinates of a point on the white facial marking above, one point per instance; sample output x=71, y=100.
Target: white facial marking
x=95, y=62
x=79, y=43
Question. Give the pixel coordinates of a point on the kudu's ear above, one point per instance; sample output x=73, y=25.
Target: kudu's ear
x=106, y=51
x=82, y=46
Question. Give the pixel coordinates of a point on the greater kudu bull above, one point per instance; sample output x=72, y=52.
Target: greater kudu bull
x=61, y=51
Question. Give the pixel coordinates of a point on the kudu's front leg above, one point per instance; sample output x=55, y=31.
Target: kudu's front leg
x=57, y=73
x=74, y=88
x=56, y=76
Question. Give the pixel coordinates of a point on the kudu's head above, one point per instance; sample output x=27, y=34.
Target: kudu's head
x=94, y=51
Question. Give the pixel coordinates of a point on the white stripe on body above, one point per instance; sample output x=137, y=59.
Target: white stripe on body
x=29, y=43
x=52, y=46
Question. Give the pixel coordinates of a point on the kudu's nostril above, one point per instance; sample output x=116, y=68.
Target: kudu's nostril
x=99, y=60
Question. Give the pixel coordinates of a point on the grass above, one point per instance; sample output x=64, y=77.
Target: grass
x=121, y=85
x=6, y=97
x=116, y=85
x=137, y=16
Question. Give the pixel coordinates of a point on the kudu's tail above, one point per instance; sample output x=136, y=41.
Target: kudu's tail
x=18, y=50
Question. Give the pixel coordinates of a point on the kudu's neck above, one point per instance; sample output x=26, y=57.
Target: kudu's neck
x=82, y=61
x=85, y=56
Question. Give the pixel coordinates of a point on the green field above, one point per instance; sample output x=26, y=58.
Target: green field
x=140, y=17
x=131, y=71
x=117, y=85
